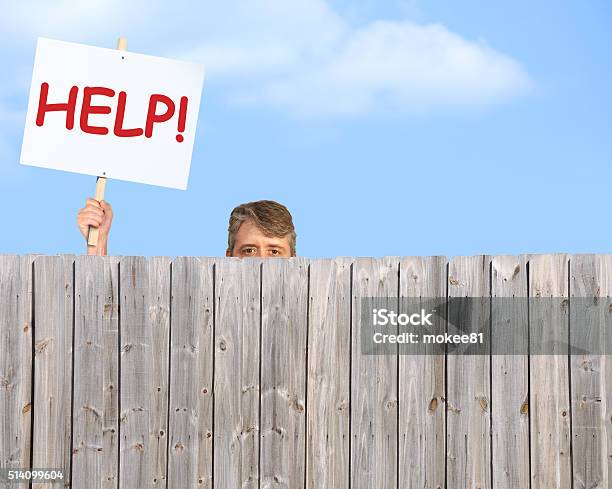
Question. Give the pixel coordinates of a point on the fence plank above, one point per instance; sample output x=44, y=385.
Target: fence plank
x=283, y=364
x=95, y=442
x=468, y=402
x=236, y=388
x=588, y=279
x=549, y=382
x=422, y=391
x=606, y=292
x=191, y=373
x=374, y=384
x=53, y=311
x=15, y=361
x=144, y=330
x=329, y=374
x=509, y=373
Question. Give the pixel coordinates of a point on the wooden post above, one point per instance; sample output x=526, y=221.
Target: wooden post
x=92, y=237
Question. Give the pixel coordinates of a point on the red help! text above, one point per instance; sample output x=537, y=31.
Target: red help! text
x=168, y=109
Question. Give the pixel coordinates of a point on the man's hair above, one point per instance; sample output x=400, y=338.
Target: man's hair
x=272, y=218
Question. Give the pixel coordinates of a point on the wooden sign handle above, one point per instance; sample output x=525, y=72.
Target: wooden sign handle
x=92, y=236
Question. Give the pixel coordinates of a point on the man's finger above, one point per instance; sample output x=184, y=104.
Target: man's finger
x=93, y=202
x=91, y=222
x=97, y=210
x=92, y=215
x=106, y=206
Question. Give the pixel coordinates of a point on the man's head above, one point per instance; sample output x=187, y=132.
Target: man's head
x=261, y=229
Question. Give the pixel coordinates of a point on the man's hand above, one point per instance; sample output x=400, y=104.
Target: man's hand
x=99, y=215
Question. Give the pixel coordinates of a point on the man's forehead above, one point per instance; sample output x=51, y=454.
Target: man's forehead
x=250, y=234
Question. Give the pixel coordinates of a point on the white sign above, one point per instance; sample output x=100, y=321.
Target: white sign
x=112, y=113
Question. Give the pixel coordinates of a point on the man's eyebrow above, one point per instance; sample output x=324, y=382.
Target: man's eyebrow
x=248, y=246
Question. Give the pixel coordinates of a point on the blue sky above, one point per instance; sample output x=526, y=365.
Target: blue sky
x=386, y=127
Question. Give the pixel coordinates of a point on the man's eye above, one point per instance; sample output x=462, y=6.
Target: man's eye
x=274, y=252
x=249, y=251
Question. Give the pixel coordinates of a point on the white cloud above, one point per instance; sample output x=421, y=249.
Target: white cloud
x=398, y=66
x=299, y=56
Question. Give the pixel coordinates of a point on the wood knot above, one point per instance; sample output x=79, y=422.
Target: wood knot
x=222, y=345
x=296, y=405
x=139, y=446
x=26, y=408
x=453, y=281
x=179, y=447
x=93, y=410
x=564, y=413
x=484, y=404
x=433, y=404
x=41, y=346
x=453, y=409
x=525, y=408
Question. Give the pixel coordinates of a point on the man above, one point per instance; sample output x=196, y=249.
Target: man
x=258, y=229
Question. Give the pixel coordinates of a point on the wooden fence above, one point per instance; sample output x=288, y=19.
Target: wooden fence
x=133, y=372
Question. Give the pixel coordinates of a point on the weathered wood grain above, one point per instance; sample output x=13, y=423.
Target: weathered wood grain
x=247, y=373
x=191, y=374
x=143, y=365
x=422, y=393
x=509, y=372
x=329, y=374
x=549, y=381
x=236, y=388
x=53, y=335
x=95, y=440
x=606, y=293
x=590, y=284
x=15, y=361
x=374, y=444
x=468, y=383
x=283, y=373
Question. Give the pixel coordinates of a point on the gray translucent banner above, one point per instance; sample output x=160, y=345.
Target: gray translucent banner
x=486, y=325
